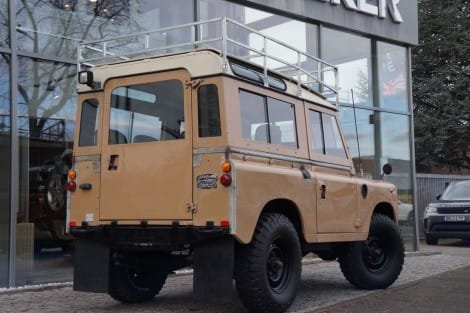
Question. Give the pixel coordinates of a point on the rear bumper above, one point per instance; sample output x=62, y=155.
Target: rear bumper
x=163, y=238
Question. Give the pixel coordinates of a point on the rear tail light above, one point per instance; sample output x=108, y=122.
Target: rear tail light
x=225, y=180
x=226, y=167
x=71, y=184
x=72, y=174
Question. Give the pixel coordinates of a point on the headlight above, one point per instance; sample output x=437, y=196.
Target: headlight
x=430, y=210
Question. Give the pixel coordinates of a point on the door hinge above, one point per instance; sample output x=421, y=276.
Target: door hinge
x=193, y=83
x=191, y=208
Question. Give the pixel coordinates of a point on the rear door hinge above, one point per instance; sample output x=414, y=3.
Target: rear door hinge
x=191, y=208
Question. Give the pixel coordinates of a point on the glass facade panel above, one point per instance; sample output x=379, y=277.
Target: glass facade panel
x=363, y=156
x=395, y=149
x=4, y=24
x=46, y=123
x=354, y=65
x=54, y=28
x=393, y=77
x=5, y=166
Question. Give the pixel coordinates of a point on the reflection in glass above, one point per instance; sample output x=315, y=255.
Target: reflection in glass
x=395, y=150
x=354, y=65
x=46, y=114
x=4, y=25
x=392, y=77
x=5, y=153
x=363, y=156
x=55, y=27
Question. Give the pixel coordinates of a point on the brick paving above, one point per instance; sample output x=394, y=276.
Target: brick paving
x=322, y=286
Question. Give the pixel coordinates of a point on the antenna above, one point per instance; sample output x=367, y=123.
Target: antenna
x=361, y=169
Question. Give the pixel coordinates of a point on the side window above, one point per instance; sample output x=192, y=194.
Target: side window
x=88, y=123
x=326, y=138
x=267, y=120
x=208, y=111
x=147, y=112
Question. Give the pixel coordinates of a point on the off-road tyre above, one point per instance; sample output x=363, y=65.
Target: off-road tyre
x=267, y=271
x=130, y=285
x=431, y=240
x=376, y=262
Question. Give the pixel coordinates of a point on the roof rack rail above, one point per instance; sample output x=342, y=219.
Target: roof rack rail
x=229, y=37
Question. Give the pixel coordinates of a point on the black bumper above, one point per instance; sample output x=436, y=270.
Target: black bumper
x=166, y=238
x=438, y=227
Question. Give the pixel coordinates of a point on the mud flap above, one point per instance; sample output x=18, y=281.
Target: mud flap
x=91, y=266
x=213, y=270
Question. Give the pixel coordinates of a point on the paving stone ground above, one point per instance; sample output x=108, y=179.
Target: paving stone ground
x=323, y=286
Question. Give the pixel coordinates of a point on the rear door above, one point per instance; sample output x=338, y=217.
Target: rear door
x=84, y=202
x=146, y=168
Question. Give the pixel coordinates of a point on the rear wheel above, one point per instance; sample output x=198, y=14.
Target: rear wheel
x=268, y=269
x=430, y=240
x=376, y=262
x=133, y=285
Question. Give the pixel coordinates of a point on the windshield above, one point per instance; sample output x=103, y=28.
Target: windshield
x=457, y=191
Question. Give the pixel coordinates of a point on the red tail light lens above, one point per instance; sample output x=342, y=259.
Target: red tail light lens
x=226, y=180
x=71, y=186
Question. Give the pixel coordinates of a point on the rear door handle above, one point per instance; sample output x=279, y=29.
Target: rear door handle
x=85, y=186
x=113, y=162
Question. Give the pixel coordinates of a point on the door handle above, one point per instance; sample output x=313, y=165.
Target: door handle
x=85, y=186
x=323, y=191
x=113, y=162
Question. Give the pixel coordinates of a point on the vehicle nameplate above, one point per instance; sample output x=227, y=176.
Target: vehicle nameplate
x=206, y=181
x=454, y=218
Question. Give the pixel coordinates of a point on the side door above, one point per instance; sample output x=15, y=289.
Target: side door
x=335, y=187
x=146, y=168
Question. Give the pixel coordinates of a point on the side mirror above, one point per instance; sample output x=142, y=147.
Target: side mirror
x=438, y=197
x=387, y=169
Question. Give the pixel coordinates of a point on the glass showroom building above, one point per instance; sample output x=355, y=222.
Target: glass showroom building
x=368, y=40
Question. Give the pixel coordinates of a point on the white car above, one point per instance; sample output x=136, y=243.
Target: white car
x=405, y=212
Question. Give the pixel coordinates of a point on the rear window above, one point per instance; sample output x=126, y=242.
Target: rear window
x=208, y=111
x=147, y=112
x=88, y=123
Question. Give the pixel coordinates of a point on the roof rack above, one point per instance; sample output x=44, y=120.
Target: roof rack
x=229, y=37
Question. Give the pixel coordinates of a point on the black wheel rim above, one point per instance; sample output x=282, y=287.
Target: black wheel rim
x=375, y=253
x=278, y=266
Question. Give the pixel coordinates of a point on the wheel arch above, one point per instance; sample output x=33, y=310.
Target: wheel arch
x=290, y=210
x=386, y=209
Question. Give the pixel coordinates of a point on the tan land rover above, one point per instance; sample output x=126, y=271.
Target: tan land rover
x=203, y=159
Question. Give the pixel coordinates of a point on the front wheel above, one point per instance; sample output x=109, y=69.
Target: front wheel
x=267, y=271
x=430, y=240
x=133, y=285
x=376, y=262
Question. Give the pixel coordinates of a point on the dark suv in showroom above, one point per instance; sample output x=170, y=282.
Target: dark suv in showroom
x=449, y=216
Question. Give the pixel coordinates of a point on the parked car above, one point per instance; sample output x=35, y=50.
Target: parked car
x=449, y=216
x=405, y=212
